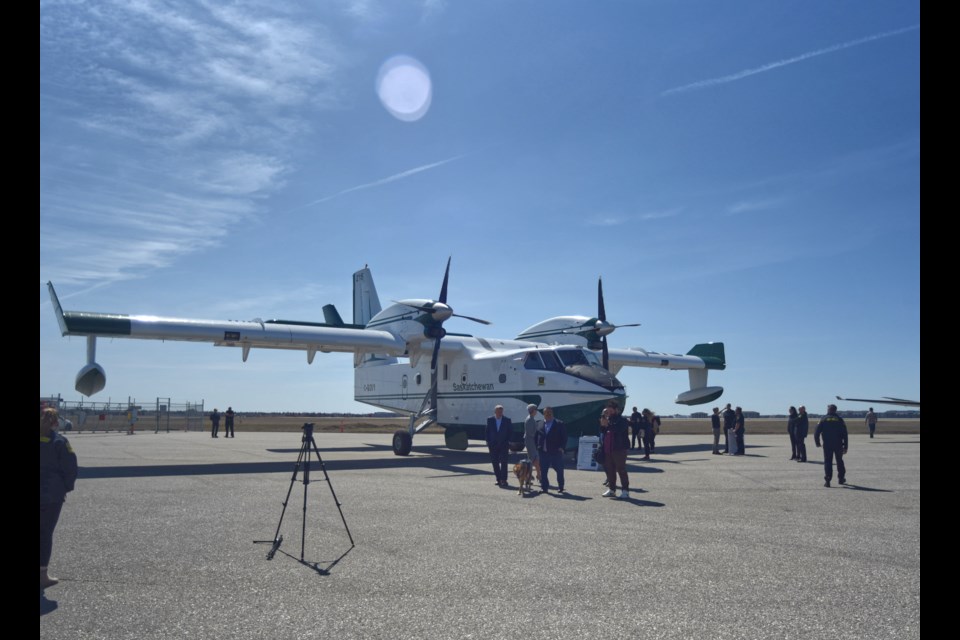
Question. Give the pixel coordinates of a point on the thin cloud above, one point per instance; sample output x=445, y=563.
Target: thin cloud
x=659, y=215
x=606, y=221
x=740, y=75
x=747, y=206
x=615, y=220
x=383, y=181
x=169, y=132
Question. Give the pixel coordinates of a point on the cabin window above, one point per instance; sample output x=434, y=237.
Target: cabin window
x=418, y=378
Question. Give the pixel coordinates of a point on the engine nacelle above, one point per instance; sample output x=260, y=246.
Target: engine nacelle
x=91, y=379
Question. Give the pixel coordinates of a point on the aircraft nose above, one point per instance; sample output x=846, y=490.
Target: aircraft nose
x=598, y=376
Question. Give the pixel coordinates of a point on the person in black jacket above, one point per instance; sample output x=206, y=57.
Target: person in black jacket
x=739, y=428
x=729, y=418
x=616, y=441
x=551, y=442
x=499, y=429
x=58, y=473
x=800, y=432
x=636, y=430
x=833, y=431
x=792, y=432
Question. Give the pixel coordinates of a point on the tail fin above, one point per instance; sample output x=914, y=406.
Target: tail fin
x=366, y=303
x=711, y=353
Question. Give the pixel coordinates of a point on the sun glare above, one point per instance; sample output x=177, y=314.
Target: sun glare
x=404, y=87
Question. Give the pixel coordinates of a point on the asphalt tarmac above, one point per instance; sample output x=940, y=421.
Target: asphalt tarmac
x=157, y=542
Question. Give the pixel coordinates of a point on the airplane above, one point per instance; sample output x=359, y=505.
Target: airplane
x=405, y=361
x=886, y=400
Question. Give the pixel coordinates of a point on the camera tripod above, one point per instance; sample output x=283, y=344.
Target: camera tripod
x=303, y=460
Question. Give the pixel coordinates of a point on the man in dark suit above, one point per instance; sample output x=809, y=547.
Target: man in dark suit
x=833, y=431
x=499, y=429
x=551, y=442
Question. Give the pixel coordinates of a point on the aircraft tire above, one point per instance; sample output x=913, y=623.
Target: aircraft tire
x=402, y=443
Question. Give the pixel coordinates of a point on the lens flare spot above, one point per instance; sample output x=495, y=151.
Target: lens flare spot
x=404, y=88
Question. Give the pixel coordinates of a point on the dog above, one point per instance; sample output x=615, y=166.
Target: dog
x=524, y=472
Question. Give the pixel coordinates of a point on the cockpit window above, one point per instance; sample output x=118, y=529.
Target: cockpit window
x=533, y=361
x=570, y=357
x=551, y=361
x=593, y=358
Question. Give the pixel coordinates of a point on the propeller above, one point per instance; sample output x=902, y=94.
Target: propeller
x=439, y=312
x=604, y=328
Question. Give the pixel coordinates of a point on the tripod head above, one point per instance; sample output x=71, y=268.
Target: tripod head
x=307, y=431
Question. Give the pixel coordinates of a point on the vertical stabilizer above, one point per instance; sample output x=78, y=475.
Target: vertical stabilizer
x=366, y=303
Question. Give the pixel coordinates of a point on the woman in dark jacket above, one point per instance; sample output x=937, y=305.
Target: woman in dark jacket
x=58, y=472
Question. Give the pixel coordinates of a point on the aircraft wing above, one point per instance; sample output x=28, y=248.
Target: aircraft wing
x=698, y=361
x=702, y=356
x=886, y=400
x=261, y=334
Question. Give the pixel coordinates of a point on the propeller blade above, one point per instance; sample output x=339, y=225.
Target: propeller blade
x=446, y=278
x=480, y=320
x=601, y=310
x=606, y=354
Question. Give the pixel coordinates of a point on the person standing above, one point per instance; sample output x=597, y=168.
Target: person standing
x=228, y=423
x=871, y=421
x=551, y=442
x=646, y=424
x=715, y=426
x=636, y=435
x=58, y=474
x=654, y=430
x=530, y=427
x=729, y=418
x=833, y=431
x=800, y=432
x=214, y=423
x=616, y=441
x=739, y=428
x=499, y=429
x=792, y=432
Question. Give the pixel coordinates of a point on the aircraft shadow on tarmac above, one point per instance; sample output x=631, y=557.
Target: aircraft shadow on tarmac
x=447, y=461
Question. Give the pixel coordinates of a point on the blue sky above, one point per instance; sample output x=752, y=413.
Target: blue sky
x=745, y=172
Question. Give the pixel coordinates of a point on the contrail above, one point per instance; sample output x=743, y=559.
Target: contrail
x=382, y=181
x=782, y=63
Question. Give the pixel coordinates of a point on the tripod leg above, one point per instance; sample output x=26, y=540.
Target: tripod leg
x=326, y=476
x=306, y=483
x=277, y=538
